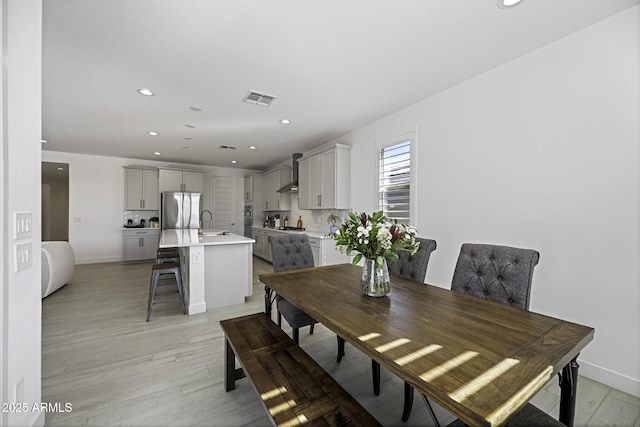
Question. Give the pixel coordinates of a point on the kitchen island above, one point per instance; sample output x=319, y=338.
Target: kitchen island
x=217, y=268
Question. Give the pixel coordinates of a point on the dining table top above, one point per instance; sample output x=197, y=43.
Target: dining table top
x=478, y=359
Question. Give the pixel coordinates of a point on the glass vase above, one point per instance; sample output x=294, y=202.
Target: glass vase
x=375, y=278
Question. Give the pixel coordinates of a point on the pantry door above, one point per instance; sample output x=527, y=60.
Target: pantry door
x=223, y=197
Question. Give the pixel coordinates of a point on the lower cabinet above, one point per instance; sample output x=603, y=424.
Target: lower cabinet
x=139, y=245
x=326, y=253
x=316, y=249
x=323, y=249
x=261, y=247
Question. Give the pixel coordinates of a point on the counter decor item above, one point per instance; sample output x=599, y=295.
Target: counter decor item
x=376, y=238
x=332, y=219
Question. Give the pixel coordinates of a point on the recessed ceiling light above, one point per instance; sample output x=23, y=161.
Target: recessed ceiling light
x=157, y=153
x=152, y=133
x=194, y=108
x=145, y=92
x=186, y=147
x=285, y=121
x=505, y=4
x=44, y=141
x=187, y=137
x=234, y=162
x=252, y=147
x=190, y=126
x=60, y=169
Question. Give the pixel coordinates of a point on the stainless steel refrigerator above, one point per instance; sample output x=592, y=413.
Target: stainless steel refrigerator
x=181, y=210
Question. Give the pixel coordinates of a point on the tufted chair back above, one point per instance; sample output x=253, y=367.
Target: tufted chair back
x=290, y=252
x=497, y=273
x=414, y=267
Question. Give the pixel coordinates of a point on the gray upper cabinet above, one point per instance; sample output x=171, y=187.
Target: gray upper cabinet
x=248, y=188
x=324, y=179
x=181, y=180
x=141, y=189
x=271, y=183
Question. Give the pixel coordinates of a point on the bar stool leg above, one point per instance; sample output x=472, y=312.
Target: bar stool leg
x=180, y=290
x=152, y=292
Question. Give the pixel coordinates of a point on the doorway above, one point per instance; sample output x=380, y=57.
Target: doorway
x=55, y=201
x=223, y=203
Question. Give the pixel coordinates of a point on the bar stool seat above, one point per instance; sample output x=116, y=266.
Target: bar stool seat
x=164, y=255
x=156, y=271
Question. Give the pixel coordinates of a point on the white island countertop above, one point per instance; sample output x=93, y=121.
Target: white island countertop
x=190, y=237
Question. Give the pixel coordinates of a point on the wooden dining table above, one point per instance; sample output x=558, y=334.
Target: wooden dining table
x=480, y=360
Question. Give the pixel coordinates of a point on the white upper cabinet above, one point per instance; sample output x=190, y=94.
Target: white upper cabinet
x=141, y=189
x=248, y=188
x=271, y=183
x=181, y=180
x=324, y=179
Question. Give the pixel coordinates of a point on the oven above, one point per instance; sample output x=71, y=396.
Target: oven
x=248, y=220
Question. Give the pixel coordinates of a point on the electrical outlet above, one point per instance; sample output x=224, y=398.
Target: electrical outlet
x=23, y=226
x=23, y=256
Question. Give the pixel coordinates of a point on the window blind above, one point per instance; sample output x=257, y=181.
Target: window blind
x=394, y=181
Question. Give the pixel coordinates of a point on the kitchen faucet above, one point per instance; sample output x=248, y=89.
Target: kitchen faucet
x=210, y=220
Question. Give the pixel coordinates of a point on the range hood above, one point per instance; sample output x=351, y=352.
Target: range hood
x=292, y=187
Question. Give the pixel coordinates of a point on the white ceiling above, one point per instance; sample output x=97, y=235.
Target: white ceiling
x=334, y=65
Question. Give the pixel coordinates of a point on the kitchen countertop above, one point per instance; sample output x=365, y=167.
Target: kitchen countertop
x=310, y=233
x=190, y=237
x=139, y=228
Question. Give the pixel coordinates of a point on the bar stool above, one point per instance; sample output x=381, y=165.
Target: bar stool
x=167, y=255
x=156, y=271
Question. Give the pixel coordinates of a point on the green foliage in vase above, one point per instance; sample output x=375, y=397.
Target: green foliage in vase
x=375, y=237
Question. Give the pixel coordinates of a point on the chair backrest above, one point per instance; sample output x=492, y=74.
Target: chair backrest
x=498, y=273
x=414, y=267
x=290, y=252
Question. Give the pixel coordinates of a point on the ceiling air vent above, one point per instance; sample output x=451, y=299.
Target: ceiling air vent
x=258, y=98
x=227, y=147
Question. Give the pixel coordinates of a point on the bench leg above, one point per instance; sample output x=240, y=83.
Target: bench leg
x=231, y=374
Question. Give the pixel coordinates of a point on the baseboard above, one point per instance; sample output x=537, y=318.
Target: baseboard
x=38, y=421
x=97, y=260
x=197, y=308
x=611, y=378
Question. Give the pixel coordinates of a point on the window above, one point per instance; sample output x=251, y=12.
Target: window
x=394, y=179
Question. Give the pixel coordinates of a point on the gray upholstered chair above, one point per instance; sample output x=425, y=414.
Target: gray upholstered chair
x=497, y=273
x=291, y=252
x=412, y=267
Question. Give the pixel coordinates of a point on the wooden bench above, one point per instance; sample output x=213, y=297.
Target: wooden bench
x=293, y=388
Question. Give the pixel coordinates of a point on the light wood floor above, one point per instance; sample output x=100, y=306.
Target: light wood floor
x=99, y=355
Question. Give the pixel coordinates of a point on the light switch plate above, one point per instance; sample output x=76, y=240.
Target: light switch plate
x=23, y=256
x=23, y=225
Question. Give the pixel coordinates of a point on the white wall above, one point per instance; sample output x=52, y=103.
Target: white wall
x=20, y=339
x=540, y=153
x=96, y=200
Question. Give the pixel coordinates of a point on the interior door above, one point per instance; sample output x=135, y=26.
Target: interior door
x=223, y=204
